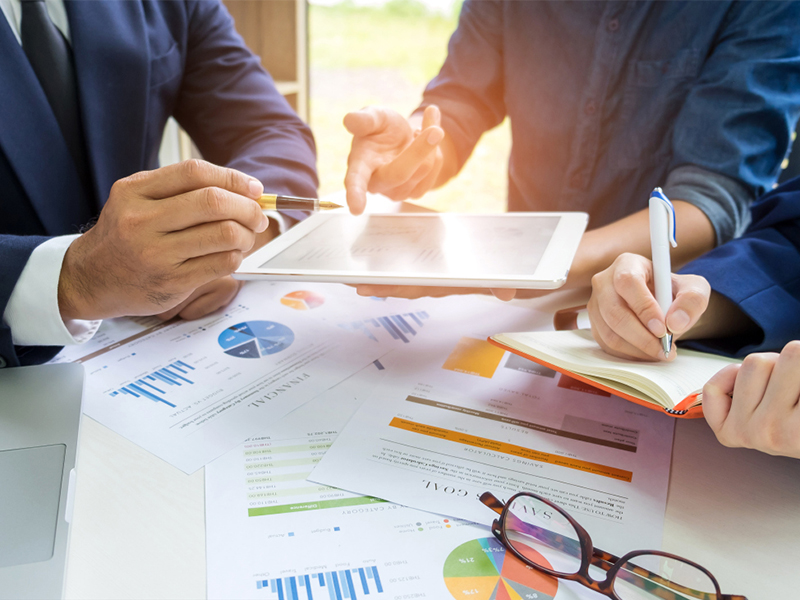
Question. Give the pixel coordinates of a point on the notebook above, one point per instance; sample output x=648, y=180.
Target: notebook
x=675, y=387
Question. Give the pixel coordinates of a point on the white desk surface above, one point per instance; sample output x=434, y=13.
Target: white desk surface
x=138, y=529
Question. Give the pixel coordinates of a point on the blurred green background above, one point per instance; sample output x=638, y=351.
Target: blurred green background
x=385, y=54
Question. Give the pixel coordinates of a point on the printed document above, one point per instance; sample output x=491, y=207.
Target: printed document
x=272, y=535
x=189, y=391
x=452, y=422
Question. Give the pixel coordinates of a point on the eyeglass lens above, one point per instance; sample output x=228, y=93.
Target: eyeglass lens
x=543, y=535
x=651, y=577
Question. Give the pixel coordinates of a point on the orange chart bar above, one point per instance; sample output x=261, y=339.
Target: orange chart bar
x=511, y=449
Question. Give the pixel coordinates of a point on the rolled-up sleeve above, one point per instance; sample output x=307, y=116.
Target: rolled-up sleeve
x=736, y=124
x=469, y=88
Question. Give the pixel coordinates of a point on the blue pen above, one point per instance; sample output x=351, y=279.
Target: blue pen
x=662, y=236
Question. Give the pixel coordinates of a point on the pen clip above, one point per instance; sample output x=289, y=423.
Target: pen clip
x=659, y=195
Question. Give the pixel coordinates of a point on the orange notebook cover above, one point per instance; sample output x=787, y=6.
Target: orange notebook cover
x=577, y=345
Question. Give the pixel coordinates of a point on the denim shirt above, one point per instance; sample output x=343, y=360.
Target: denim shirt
x=609, y=99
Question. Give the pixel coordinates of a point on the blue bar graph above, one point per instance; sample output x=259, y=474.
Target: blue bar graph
x=350, y=584
x=156, y=385
x=400, y=327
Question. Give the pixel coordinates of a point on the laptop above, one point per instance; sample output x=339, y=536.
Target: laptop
x=40, y=410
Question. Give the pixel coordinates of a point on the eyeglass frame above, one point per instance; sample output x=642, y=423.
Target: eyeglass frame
x=590, y=556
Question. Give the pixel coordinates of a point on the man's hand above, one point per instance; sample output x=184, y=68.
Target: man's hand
x=389, y=157
x=755, y=404
x=626, y=319
x=162, y=235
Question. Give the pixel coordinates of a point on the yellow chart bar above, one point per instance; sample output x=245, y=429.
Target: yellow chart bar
x=474, y=357
x=511, y=449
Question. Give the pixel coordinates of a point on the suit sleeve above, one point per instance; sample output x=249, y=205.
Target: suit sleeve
x=760, y=273
x=231, y=108
x=14, y=254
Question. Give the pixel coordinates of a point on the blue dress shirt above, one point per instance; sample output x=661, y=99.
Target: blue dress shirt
x=609, y=99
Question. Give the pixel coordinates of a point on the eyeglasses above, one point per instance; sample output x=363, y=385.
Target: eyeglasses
x=545, y=537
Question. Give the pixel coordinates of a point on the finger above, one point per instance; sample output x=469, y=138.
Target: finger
x=356, y=182
x=209, y=205
x=615, y=345
x=403, y=192
x=751, y=383
x=627, y=327
x=431, y=117
x=783, y=389
x=209, y=238
x=367, y=121
x=717, y=397
x=691, y=293
x=412, y=292
x=630, y=279
x=168, y=314
x=427, y=182
x=201, y=270
x=189, y=175
x=402, y=168
x=222, y=293
x=506, y=295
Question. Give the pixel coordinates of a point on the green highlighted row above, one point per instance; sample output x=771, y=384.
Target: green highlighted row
x=290, y=508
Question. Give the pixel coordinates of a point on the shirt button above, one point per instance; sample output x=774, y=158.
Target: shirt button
x=613, y=25
x=3, y=362
x=590, y=107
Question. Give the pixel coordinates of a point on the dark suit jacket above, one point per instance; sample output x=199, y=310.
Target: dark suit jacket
x=137, y=64
x=760, y=273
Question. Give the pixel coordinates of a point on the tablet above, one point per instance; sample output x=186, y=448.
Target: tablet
x=510, y=250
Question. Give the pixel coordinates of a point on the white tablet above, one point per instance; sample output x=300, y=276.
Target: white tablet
x=511, y=250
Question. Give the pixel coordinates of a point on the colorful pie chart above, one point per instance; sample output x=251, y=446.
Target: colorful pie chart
x=483, y=570
x=254, y=339
x=302, y=300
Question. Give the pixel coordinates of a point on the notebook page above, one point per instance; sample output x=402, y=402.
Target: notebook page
x=577, y=351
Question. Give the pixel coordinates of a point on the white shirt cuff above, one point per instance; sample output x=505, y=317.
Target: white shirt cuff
x=32, y=311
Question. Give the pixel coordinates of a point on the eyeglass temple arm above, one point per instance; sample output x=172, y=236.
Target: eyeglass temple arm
x=490, y=500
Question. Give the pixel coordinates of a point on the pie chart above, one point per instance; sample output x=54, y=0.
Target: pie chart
x=302, y=300
x=254, y=339
x=483, y=570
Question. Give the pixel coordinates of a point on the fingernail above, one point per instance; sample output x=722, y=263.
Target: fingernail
x=264, y=224
x=256, y=187
x=678, y=321
x=435, y=136
x=656, y=327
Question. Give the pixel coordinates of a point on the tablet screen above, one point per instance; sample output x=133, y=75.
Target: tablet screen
x=426, y=245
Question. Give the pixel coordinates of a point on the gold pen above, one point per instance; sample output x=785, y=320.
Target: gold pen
x=277, y=202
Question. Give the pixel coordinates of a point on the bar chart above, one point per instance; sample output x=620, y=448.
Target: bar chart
x=349, y=584
x=156, y=386
x=401, y=327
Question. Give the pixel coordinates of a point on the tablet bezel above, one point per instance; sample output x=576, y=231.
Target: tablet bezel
x=551, y=272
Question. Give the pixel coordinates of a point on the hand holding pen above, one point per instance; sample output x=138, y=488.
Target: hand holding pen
x=632, y=309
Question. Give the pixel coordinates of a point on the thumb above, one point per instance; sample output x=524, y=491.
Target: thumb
x=432, y=116
x=366, y=121
x=691, y=294
x=717, y=396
